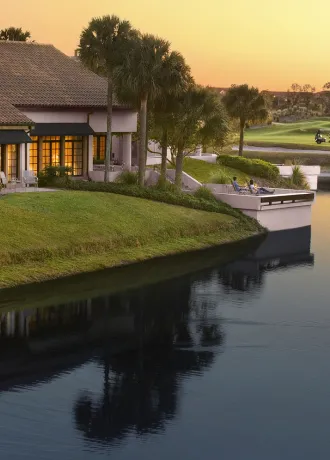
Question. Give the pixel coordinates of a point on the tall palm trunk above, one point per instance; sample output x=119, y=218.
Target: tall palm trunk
x=164, y=155
x=109, y=131
x=179, y=168
x=241, y=137
x=143, y=135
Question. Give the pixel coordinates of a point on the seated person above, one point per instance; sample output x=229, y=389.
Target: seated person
x=259, y=190
x=237, y=187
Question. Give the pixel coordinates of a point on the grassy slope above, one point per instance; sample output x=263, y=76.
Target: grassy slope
x=47, y=235
x=300, y=134
x=203, y=171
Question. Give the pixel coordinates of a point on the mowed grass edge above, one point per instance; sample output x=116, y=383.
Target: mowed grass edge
x=50, y=235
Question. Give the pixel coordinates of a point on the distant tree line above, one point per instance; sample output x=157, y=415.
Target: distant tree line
x=14, y=34
x=301, y=101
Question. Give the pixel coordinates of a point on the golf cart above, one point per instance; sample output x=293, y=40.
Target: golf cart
x=319, y=138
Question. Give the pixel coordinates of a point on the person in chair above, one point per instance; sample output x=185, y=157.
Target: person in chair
x=259, y=190
x=237, y=187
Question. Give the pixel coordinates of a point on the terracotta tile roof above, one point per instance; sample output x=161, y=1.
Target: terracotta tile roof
x=37, y=75
x=9, y=115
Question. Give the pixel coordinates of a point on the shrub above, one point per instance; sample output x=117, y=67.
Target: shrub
x=298, y=177
x=258, y=168
x=98, y=162
x=50, y=174
x=205, y=194
x=128, y=178
x=165, y=185
x=220, y=178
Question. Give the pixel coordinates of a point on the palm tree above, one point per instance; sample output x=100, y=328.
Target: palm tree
x=177, y=81
x=103, y=45
x=143, y=74
x=14, y=34
x=246, y=104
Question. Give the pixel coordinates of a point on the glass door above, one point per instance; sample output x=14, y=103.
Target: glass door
x=12, y=155
x=51, y=151
x=74, y=154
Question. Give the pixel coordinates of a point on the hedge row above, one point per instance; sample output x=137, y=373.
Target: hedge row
x=257, y=168
x=156, y=194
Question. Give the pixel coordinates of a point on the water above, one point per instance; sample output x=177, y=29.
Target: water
x=228, y=362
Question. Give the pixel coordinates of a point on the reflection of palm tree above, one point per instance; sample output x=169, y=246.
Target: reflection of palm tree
x=211, y=334
x=137, y=398
x=141, y=388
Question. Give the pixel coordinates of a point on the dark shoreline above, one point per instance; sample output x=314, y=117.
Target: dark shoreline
x=123, y=278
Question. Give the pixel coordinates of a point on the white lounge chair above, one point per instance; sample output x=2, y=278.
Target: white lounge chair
x=3, y=179
x=29, y=178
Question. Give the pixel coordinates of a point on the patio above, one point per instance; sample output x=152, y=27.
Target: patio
x=20, y=189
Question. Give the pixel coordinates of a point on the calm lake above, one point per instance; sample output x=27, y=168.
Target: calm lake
x=227, y=362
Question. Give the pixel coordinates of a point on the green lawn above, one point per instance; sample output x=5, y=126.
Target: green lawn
x=291, y=135
x=48, y=235
x=203, y=171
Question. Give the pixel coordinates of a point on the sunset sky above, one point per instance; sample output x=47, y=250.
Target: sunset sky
x=266, y=43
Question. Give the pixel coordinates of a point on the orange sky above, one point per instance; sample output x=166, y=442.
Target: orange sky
x=266, y=43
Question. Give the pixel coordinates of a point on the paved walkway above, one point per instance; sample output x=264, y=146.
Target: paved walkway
x=250, y=148
x=6, y=191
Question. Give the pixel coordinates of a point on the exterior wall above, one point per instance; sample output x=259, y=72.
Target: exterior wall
x=275, y=217
x=187, y=181
x=283, y=219
x=311, y=173
x=90, y=153
x=123, y=121
x=98, y=176
x=151, y=176
x=153, y=160
x=21, y=161
x=212, y=158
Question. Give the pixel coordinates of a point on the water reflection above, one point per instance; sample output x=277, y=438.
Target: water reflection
x=280, y=250
x=145, y=343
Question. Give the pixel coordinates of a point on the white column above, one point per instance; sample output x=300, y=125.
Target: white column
x=21, y=164
x=90, y=153
x=127, y=150
x=27, y=166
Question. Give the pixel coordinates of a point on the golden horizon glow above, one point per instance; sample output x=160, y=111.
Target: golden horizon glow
x=265, y=43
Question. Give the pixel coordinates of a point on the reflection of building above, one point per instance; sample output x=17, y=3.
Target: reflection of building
x=279, y=249
x=142, y=339
x=146, y=342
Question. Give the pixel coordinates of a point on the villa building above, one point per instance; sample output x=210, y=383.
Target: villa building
x=53, y=111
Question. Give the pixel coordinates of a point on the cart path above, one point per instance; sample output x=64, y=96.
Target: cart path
x=250, y=148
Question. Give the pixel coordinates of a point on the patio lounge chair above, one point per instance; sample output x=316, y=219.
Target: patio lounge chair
x=29, y=178
x=240, y=190
x=3, y=179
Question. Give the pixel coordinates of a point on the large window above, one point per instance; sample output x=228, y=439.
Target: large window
x=51, y=151
x=99, y=147
x=74, y=154
x=34, y=154
x=12, y=155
